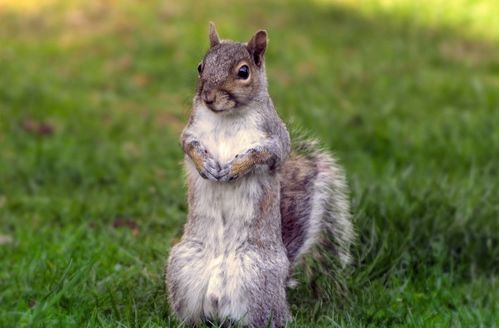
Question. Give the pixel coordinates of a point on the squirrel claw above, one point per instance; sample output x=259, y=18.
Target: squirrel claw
x=207, y=175
x=210, y=170
x=224, y=173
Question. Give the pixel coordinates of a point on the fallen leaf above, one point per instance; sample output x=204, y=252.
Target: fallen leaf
x=127, y=223
x=37, y=128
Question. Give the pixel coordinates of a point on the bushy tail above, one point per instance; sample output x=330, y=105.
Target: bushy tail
x=314, y=206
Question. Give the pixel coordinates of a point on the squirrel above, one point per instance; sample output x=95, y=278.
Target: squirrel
x=254, y=207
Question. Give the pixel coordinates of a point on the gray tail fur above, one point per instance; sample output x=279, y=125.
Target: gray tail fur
x=314, y=206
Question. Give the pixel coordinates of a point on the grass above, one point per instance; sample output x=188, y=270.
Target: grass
x=93, y=96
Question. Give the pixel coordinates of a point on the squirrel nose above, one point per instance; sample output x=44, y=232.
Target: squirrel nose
x=209, y=96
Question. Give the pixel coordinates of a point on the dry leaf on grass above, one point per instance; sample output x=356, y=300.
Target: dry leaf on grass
x=127, y=223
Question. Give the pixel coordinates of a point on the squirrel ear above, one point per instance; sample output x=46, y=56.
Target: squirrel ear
x=257, y=45
x=214, y=39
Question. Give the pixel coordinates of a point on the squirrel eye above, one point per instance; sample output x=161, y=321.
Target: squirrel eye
x=200, y=68
x=243, y=72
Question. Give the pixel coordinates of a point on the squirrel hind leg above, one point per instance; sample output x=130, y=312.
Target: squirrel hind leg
x=314, y=207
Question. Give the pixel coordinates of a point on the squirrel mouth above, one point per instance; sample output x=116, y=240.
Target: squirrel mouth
x=213, y=109
x=230, y=106
x=225, y=101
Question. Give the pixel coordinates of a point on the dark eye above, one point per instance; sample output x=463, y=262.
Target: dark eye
x=243, y=72
x=200, y=68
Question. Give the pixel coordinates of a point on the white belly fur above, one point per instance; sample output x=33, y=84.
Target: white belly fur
x=227, y=136
x=222, y=211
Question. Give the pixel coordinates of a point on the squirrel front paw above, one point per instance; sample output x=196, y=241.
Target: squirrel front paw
x=207, y=166
x=210, y=169
x=227, y=173
x=237, y=167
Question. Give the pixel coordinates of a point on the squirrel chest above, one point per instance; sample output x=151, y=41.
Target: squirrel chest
x=226, y=136
x=228, y=205
x=221, y=212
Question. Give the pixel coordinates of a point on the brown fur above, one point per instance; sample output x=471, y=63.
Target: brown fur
x=297, y=176
x=243, y=165
x=196, y=157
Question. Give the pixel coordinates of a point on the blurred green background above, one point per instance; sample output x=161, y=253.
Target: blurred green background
x=94, y=94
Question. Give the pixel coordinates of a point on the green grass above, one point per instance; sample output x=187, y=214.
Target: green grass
x=92, y=196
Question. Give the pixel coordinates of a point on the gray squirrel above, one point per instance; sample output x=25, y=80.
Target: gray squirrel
x=255, y=208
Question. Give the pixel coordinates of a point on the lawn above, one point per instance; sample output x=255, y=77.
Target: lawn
x=93, y=96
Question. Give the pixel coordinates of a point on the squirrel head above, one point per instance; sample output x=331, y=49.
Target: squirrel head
x=232, y=74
